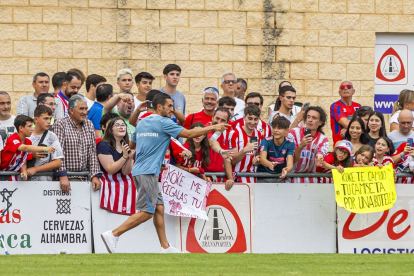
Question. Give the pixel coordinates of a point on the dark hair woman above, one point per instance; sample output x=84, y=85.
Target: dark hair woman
x=375, y=127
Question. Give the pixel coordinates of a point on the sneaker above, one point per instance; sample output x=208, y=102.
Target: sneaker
x=170, y=249
x=110, y=241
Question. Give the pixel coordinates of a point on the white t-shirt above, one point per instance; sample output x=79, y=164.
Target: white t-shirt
x=295, y=109
x=89, y=103
x=394, y=118
x=274, y=113
x=397, y=138
x=51, y=140
x=239, y=109
x=7, y=128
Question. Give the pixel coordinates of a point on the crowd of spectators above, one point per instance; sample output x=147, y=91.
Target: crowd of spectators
x=66, y=131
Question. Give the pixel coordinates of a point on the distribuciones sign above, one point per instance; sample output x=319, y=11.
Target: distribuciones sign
x=365, y=189
x=184, y=194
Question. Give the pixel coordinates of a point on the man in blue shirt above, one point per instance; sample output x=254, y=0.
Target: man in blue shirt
x=152, y=136
x=103, y=93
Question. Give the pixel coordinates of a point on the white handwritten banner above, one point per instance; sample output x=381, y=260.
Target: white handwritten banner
x=184, y=194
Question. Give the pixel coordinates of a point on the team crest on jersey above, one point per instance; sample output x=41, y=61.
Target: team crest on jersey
x=16, y=142
x=261, y=130
x=283, y=151
x=345, y=110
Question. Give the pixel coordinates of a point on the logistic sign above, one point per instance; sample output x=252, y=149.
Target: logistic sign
x=39, y=218
x=388, y=232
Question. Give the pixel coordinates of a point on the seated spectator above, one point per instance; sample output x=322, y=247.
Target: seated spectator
x=6, y=118
x=285, y=107
x=254, y=98
x=228, y=84
x=363, y=156
x=47, y=99
x=310, y=148
x=92, y=83
x=116, y=160
x=209, y=101
x=339, y=159
x=41, y=136
x=405, y=101
x=356, y=134
x=375, y=127
x=241, y=88
x=276, y=105
x=71, y=87
x=27, y=104
x=383, y=150
x=14, y=155
x=77, y=138
x=104, y=124
x=103, y=93
x=404, y=131
x=341, y=109
x=244, y=144
x=125, y=103
x=230, y=104
x=200, y=154
x=276, y=152
x=363, y=113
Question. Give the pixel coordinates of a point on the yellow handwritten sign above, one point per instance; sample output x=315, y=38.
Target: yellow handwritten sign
x=365, y=189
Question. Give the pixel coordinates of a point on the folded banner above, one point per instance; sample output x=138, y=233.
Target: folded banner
x=184, y=194
x=365, y=189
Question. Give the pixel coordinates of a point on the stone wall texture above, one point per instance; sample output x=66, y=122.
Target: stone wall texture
x=312, y=43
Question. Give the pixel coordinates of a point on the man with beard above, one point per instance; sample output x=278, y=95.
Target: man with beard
x=154, y=134
x=125, y=107
x=205, y=116
x=71, y=86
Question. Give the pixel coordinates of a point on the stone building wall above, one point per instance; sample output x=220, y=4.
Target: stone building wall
x=312, y=43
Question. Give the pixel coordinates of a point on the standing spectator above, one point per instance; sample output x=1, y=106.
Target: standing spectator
x=47, y=99
x=92, y=82
x=77, y=138
x=27, y=104
x=205, y=116
x=41, y=136
x=405, y=101
x=356, y=134
x=363, y=113
x=404, y=131
x=154, y=134
x=230, y=104
x=81, y=75
x=118, y=191
x=276, y=105
x=14, y=155
x=341, y=109
x=103, y=93
x=276, y=152
x=144, y=84
x=124, y=80
x=125, y=106
x=228, y=84
x=285, y=106
x=310, y=149
x=71, y=86
x=376, y=127
x=241, y=88
x=244, y=148
x=57, y=82
x=6, y=118
x=254, y=98
x=172, y=73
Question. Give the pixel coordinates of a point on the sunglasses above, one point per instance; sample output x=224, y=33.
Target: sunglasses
x=343, y=87
x=229, y=81
x=366, y=107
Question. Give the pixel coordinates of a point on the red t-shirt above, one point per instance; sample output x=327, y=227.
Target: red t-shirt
x=197, y=117
x=330, y=159
x=262, y=127
x=11, y=158
x=198, y=160
x=386, y=160
x=338, y=111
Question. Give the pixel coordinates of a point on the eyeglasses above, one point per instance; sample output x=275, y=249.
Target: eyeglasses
x=257, y=104
x=229, y=81
x=343, y=87
x=120, y=126
x=366, y=108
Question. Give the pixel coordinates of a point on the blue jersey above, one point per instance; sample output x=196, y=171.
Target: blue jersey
x=95, y=115
x=152, y=137
x=276, y=154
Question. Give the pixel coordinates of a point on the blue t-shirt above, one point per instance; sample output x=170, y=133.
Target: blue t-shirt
x=104, y=148
x=276, y=154
x=179, y=101
x=95, y=115
x=152, y=137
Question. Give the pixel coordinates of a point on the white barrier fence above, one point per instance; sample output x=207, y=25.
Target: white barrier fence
x=257, y=218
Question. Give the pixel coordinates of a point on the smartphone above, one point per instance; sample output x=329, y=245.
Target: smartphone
x=307, y=131
x=306, y=105
x=149, y=105
x=410, y=142
x=253, y=139
x=123, y=142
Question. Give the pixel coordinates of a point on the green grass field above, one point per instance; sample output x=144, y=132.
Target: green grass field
x=207, y=264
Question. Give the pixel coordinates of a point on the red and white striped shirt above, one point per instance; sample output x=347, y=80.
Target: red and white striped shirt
x=238, y=141
x=306, y=163
x=64, y=101
x=262, y=127
x=118, y=193
x=386, y=160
